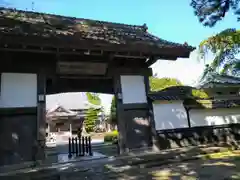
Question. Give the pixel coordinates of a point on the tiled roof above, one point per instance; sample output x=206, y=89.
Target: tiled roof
x=216, y=79
x=72, y=30
x=212, y=104
x=70, y=101
x=60, y=112
x=184, y=93
x=172, y=93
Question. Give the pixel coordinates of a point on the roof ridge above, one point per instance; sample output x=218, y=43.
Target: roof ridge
x=228, y=76
x=142, y=27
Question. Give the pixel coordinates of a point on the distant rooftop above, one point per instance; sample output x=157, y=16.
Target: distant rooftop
x=70, y=101
x=217, y=79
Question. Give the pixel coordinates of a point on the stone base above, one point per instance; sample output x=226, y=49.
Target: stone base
x=228, y=134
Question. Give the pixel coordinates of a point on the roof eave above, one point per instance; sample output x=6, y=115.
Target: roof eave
x=183, y=53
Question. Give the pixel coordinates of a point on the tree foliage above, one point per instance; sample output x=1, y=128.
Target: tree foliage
x=92, y=114
x=209, y=12
x=157, y=84
x=113, y=116
x=225, y=46
x=90, y=120
x=199, y=93
x=93, y=98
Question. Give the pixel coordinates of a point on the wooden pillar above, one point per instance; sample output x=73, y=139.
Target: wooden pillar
x=187, y=109
x=133, y=118
x=119, y=114
x=41, y=115
x=154, y=141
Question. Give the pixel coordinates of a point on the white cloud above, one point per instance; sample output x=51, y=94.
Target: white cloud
x=106, y=102
x=187, y=70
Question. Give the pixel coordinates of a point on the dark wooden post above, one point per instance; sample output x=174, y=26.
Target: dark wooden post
x=73, y=146
x=83, y=146
x=41, y=114
x=69, y=148
x=76, y=145
x=80, y=146
x=153, y=136
x=119, y=114
x=90, y=146
x=86, y=144
x=188, y=116
x=132, y=115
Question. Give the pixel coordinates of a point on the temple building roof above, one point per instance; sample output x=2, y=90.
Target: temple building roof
x=193, y=98
x=69, y=101
x=218, y=80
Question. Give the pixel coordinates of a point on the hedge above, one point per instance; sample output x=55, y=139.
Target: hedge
x=111, y=137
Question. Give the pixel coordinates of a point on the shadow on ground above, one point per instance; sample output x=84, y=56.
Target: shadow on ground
x=180, y=164
x=221, y=166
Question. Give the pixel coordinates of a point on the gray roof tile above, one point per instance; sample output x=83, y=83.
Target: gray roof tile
x=71, y=101
x=72, y=29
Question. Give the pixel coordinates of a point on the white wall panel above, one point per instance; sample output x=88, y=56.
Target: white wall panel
x=208, y=117
x=170, y=115
x=133, y=89
x=18, y=90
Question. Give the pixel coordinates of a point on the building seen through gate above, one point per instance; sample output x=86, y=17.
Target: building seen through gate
x=65, y=112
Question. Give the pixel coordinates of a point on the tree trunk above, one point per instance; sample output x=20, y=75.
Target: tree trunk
x=84, y=132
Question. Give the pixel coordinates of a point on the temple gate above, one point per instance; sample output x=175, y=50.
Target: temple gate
x=44, y=54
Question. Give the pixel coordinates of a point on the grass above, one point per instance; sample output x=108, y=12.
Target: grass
x=221, y=165
x=111, y=136
x=223, y=155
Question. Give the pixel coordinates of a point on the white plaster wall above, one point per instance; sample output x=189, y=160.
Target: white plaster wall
x=169, y=115
x=205, y=117
x=18, y=90
x=133, y=89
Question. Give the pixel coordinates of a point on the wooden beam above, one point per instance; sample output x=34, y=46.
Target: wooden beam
x=62, y=44
x=84, y=77
x=110, y=59
x=151, y=61
x=130, y=71
x=154, y=59
x=18, y=111
x=81, y=85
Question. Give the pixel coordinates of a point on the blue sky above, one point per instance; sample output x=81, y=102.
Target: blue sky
x=172, y=20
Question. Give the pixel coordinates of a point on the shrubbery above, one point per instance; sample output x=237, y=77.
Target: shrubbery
x=111, y=137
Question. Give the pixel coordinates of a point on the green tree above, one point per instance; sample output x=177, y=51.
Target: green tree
x=209, y=12
x=92, y=113
x=225, y=46
x=113, y=116
x=93, y=98
x=157, y=84
x=90, y=120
